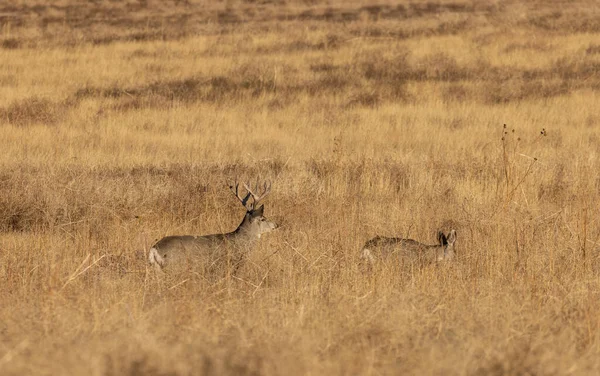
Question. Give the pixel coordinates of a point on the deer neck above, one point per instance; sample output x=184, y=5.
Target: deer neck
x=245, y=230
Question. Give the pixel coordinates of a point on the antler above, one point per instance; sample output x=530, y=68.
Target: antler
x=266, y=190
x=234, y=186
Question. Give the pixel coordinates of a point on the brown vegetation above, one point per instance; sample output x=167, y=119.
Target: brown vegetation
x=121, y=121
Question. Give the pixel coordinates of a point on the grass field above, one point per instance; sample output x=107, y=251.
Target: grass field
x=120, y=122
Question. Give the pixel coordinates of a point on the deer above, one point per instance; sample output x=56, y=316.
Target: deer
x=218, y=249
x=409, y=249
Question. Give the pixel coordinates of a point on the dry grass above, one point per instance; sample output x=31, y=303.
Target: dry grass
x=120, y=122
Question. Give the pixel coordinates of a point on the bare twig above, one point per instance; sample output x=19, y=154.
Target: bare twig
x=79, y=271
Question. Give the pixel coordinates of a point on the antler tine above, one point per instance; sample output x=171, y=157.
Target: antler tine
x=257, y=184
x=234, y=186
x=267, y=188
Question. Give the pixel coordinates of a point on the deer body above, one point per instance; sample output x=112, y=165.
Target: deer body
x=409, y=249
x=216, y=249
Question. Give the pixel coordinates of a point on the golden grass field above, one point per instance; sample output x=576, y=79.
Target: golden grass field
x=120, y=122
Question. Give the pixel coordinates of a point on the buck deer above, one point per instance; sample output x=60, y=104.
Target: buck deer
x=217, y=249
x=410, y=249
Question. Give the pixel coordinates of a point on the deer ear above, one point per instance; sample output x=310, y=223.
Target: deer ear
x=442, y=238
x=259, y=211
x=452, y=237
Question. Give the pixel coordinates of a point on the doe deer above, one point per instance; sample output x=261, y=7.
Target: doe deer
x=409, y=249
x=217, y=249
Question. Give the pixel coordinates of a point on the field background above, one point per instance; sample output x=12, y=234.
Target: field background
x=121, y=120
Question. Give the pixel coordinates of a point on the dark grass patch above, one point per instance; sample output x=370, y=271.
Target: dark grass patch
x=137, y=36
x=452, y=27
x=323, y=67
x=229, y=16
x=328, y=82
x=518, y=90
x=34, y=111
x=329, y=42
x=411, y=30
x=253, y=79
x=565, y=19
x=378, y=11
x=245, y=81
x=571, y=68
x=11, y=43
x=521, y=359
x=155, y=94
x=124, y=104
x=441, y=67
x=388, y=69
x=430, y=7
x=455, y=93
x=529, y=45
x=95, y=92
x=390, y=74
x=185, y=90
x=369, y=99
x=377, y=31
x=593, y=49
x=387, y=12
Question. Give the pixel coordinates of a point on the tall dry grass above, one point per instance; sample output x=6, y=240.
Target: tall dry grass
x=120, y=122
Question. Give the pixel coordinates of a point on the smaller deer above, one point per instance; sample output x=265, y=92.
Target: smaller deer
x=412, y=250
x=216, y=249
